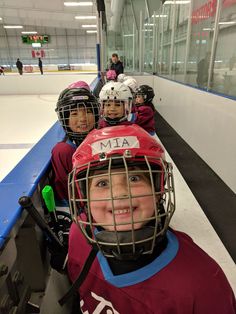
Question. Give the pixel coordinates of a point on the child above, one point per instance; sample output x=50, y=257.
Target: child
x=115, y=101
x=77, y=111
x=125, y=204
x=144, y=109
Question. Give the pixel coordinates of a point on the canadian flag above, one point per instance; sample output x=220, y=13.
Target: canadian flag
x=38, y=53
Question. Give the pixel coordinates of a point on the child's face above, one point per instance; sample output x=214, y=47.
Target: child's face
x=139, y=99
x=81, y=119
x=114, y=109
x=141, y=203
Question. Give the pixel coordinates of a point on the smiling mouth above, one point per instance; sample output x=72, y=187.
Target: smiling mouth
x=83, y=126
x=123, y=211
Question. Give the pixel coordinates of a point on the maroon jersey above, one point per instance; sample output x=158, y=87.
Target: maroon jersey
x=145, y=117
x=182, y=280
x=61, y=160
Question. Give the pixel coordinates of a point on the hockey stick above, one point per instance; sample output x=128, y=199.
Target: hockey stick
x=26, y=203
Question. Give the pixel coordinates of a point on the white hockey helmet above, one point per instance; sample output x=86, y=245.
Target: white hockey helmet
x=118, y=92
x=131, y=83
x=121, y=77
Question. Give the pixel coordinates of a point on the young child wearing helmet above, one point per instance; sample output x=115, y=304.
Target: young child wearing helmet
x=77, y=111
x=144, y=109
x=115, y=104
x=122, y=199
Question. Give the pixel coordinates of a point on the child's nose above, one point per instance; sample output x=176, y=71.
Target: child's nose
x=120, y=191
x=82, y=116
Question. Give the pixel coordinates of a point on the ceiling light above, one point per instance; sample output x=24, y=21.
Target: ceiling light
x=29, y=32
x=227, y=23
x=88, y=26
x=36, y=45
x=76, y=4
x=85, y=17
x=91, y=31
x=177, y=2
x=160, y=15
x=208, y=29
x=0, y=18
x=13, y=26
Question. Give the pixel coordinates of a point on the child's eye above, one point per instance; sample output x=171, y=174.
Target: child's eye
x=102, y=183
x=73, y=113
x=89, y=111
x=135, y=178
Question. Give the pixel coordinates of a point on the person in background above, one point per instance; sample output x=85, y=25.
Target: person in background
x=2, y=70
x=122, y=218
x=19, y=66
x=116, y=65
x=203, y=70
x=77, y=111
x=109, y=63
x=40, y=66
x=115, y=104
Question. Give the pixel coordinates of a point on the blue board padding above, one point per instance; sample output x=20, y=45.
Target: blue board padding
x=94, y=83
x=23, y=179
x=10, y=209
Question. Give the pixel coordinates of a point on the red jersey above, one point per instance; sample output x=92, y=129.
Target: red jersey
x=182, y=280
x=145, y=117
x=61, y=160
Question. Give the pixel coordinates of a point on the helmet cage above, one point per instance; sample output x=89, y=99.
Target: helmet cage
x=123, y=244
x=116, y=91
x=74, y=102
x=127, y=104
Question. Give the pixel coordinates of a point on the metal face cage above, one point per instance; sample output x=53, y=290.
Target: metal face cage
x=81, y=111
x=130, y=237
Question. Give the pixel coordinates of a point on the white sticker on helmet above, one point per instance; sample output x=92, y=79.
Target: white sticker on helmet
x=80, y=97
x=114, y=143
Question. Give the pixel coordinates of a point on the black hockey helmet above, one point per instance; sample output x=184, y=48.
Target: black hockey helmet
x=71, y=99
x=147, y=92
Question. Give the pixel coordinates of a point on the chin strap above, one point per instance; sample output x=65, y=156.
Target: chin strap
x=122, y=246
x=78, y=282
